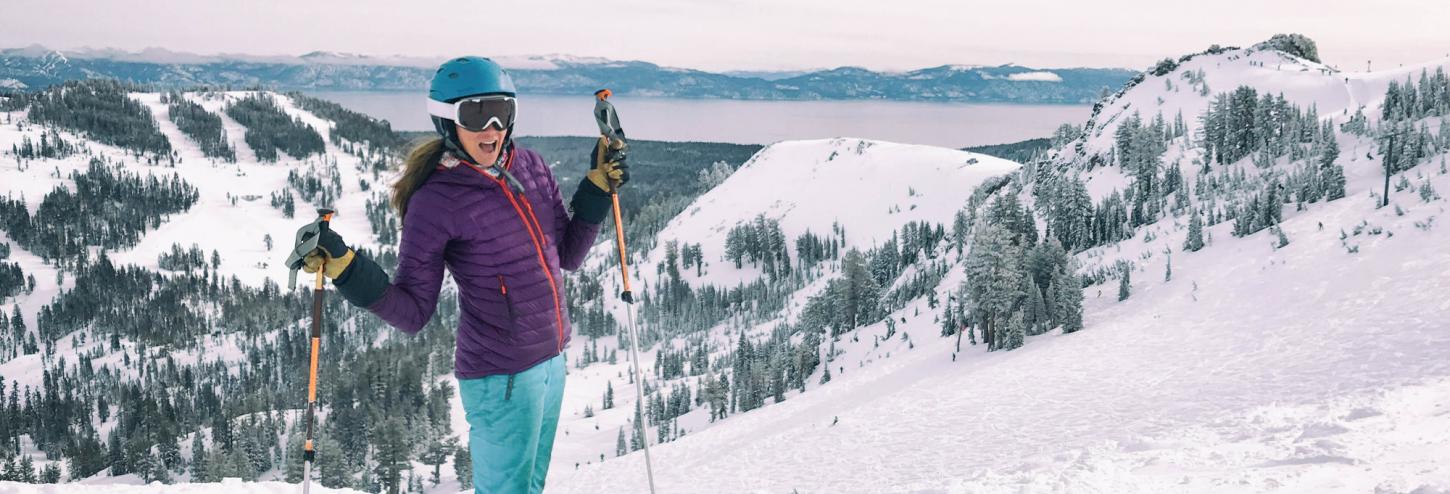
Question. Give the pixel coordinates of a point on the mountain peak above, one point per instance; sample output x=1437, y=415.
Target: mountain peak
x=1294, y=44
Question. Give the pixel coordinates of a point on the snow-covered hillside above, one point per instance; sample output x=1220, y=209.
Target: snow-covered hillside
x=1302, y=353
x=1311, y=363
x=869, y=188
x=230, y=486
x=1303, y=369
x=232, y=216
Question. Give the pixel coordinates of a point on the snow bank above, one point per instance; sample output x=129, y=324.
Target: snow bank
x=230, y=486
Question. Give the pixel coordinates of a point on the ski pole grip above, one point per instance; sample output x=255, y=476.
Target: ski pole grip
x=325, y=216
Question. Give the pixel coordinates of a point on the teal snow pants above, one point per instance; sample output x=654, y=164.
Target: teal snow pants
x=511, y=424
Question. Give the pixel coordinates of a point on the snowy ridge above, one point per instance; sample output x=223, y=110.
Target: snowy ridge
x=1306, y=367
x=230, y=486
x=1302, y=82
x=235, y=232
x=868, y=187
x=1150, y=382
x=1316, y=366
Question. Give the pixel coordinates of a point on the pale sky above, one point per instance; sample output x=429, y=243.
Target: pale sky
x=722, y=35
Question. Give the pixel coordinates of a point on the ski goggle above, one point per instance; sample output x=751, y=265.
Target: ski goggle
x=477, y=113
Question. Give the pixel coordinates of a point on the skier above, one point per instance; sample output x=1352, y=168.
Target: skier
x=490, y=212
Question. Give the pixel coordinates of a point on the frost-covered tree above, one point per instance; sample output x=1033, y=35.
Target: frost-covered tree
x=1195, y=233
x=1125, y=284
x=1067, y=300
x=994, y=279
x=463, y=467
x=1016, y=332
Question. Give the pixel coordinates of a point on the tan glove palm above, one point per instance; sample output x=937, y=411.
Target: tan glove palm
x=608, y=175
x=331, y=267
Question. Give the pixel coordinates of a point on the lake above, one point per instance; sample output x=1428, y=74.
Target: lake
x=752, y=122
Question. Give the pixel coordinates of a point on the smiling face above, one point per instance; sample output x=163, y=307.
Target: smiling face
x=483, y=146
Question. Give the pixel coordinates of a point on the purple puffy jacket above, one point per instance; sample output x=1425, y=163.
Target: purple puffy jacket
x=505, y=251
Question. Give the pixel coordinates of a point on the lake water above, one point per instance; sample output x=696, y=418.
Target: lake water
x=752, y=122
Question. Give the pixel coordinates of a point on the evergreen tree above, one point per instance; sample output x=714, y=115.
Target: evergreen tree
x=393, y=451
x=1124, y=284
x=1036, y=317
x=1333, y=182
x=1195, y=233
x=1068, y=298
x=436, y=453
x=25, y=473
x=993, y=279
x=331, y=463
x=292, y=467
x=198, y=460
x=1016, y=331
x=463, y=467
x=50, y=474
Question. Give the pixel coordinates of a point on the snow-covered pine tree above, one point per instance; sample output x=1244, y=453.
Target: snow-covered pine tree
x=1195, y=233
x=1036, y=311
x=463, y=467
x=1067, y=297
x=993, y=283
x=1016, y=331
x=1125, y=284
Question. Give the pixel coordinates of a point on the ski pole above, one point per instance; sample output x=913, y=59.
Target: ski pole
x=628, y=298
x=308, y=453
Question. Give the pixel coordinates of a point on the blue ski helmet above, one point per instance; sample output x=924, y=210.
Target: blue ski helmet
x=463, y=77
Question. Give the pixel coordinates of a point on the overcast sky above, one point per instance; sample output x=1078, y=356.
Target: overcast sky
x=746, y=34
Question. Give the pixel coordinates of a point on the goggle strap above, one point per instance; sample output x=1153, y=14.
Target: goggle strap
x=442, y=110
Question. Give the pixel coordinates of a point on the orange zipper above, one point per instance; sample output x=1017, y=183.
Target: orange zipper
x=533, y=237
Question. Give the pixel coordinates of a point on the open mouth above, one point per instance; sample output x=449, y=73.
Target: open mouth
x=488, y=146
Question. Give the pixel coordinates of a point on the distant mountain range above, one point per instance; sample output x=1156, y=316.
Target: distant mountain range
x=37, y=66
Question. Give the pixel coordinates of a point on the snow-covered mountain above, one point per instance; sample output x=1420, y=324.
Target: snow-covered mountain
x=1310, y=360
x=1300, y=349
x=38, y=67
x=868, y=188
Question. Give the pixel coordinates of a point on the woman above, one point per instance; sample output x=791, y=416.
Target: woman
x=491, y=213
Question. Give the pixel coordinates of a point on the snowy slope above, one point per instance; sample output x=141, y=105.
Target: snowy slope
x=1301, y=369
x=868, y=187
x=230, y=486
x=235, y=232
x=1306, y=368
x=1315, y=367
x=1336, y=95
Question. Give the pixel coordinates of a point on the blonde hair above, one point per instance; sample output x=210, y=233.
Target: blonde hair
x=416, y=167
